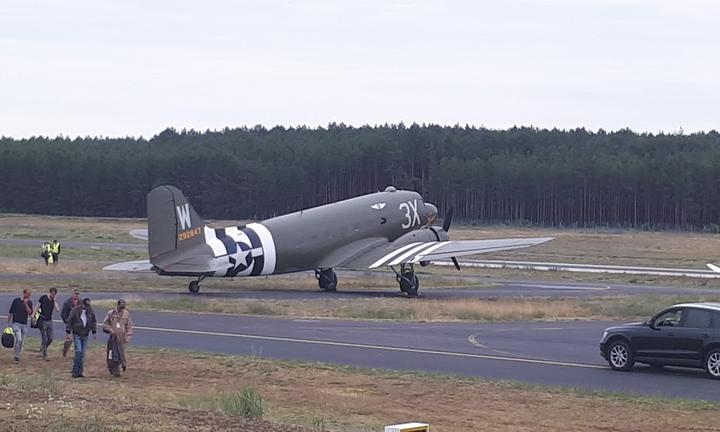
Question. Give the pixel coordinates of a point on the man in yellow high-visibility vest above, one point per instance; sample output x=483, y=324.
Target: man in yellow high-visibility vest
x=55, y=251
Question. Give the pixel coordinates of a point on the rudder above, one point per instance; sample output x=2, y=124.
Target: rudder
x=173, y=224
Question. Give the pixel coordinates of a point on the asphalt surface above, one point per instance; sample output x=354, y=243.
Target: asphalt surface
x=558, y=354
x=431, y=287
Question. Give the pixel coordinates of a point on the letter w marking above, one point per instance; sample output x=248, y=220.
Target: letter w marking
x=183, y=213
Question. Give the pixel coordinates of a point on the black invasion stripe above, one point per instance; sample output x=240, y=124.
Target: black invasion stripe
x=259, y=262
x=230, y=245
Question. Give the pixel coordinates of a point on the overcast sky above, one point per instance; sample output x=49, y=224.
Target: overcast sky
x=131, y=67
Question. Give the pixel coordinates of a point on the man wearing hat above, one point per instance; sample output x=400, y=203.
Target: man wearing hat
x=81, y=322
x=68, y=306
x=119, y=326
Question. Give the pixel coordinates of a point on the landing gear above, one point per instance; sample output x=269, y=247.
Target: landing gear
x=409, y=283
x=194, y=286
x=327, y=279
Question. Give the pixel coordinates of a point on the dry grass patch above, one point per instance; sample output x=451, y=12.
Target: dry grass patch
x=396, y=309
x=604, y=246
x=37, y=266
x=69, y=228
x=425, y=310
x=165, y=390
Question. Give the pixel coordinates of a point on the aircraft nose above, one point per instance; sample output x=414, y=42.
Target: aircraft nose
x=430, y=213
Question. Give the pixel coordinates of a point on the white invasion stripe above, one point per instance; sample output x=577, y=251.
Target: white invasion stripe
x=217, y=246
x=392, y=254
x=268, y=245
x=429, y=251
x=411, y=252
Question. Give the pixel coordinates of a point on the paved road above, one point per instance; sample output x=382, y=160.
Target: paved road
x=564, y=354
x=484, y=288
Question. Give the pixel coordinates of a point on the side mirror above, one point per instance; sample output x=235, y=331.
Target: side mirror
x=650, y=323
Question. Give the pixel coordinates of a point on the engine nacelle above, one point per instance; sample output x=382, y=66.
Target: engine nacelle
x=429, y=234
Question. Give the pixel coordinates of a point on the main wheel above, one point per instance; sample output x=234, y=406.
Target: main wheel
x=409, y=283
x=194, y=287
x=712, y=363
x=328, y=280
x=620, y=356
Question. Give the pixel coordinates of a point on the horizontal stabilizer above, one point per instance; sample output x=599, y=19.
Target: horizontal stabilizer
x=140, y=234
x=143, y=266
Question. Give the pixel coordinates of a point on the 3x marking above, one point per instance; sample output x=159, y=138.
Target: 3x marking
x=412, y=218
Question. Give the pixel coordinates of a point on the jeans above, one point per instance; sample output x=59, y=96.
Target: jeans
x=80, y=347
x=46, y=333
x=21, y=331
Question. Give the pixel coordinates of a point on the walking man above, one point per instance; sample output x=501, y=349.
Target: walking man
x=81, y=322
x=119, y=325
x=45, y=252
x=55, y=252
x=20, y=309
x=47, y=305
x=68, y=306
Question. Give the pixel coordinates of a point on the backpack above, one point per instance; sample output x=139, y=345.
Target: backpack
x=8, y=337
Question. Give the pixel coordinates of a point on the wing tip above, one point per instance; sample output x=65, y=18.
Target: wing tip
x=713, y=267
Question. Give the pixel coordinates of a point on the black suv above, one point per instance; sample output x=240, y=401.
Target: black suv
x=682, y=335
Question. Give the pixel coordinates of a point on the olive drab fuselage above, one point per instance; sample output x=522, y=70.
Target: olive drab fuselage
x=305, y=240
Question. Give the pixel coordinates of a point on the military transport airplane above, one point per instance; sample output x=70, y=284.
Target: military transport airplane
x=391, y=229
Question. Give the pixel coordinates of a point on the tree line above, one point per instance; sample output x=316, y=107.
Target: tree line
x=519, y=175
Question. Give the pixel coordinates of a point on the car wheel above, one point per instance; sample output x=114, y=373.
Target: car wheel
x=712, y=363
x=620, y=356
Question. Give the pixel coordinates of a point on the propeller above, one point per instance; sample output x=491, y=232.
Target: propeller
x=448, y=219
x=446, y=228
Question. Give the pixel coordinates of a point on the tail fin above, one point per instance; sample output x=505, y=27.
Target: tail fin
x=173, y=224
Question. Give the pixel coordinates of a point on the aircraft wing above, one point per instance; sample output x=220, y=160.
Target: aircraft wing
x=392, y=254
x=131, y=266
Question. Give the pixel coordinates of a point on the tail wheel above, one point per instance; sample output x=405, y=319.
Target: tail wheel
x=712, y=363
x=621, y=356
x=194, y=287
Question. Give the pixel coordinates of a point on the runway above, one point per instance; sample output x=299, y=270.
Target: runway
x=433, y=288
x=558, y=354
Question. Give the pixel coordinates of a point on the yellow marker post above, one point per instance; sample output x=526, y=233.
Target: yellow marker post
x=408, y=427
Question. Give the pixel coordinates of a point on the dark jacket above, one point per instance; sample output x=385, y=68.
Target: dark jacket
x=67, y=307
x=75, y=323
